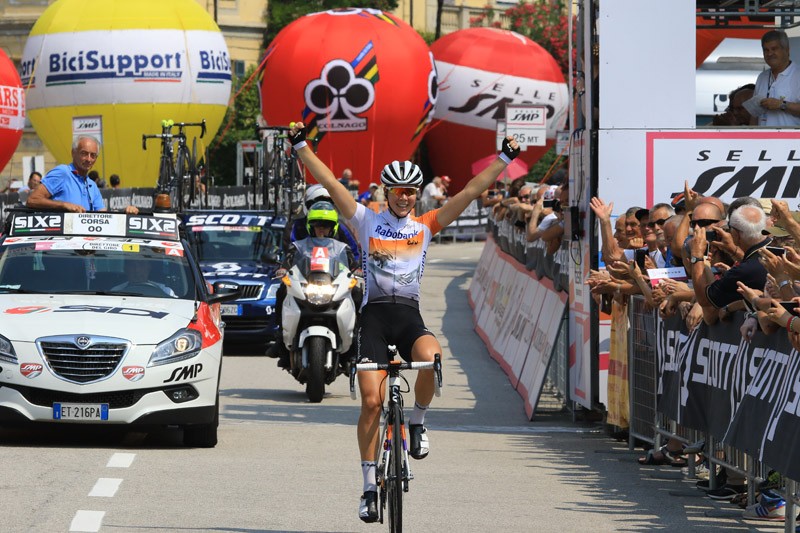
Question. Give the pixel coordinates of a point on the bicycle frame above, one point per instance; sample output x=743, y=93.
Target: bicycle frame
x=172, y=172
x=393, y=472
x=279, y=176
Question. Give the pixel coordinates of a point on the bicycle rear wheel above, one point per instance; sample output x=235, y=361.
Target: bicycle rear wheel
x=394, y=483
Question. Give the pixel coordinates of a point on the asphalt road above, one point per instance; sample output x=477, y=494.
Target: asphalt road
x=283, y=464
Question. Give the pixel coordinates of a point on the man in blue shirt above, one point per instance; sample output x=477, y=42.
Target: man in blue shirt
x=68, y=188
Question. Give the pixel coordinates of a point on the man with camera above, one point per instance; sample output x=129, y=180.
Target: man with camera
x=746, y=225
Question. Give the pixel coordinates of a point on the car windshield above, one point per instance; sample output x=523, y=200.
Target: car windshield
x=235, y=243
x=90, y=265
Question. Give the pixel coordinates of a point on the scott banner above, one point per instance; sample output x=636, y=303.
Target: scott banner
x=746, y=394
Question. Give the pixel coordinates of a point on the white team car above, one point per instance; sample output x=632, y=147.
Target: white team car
x=105, y=319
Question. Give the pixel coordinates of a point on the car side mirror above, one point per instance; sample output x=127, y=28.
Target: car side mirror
x=225, y=291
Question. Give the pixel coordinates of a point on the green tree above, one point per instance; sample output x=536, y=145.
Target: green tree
x=238, y=125
x=280, y=13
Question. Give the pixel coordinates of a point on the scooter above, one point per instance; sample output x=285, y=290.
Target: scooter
x=319, y=317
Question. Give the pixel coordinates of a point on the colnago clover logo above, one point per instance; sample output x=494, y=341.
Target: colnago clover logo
x=338, y=97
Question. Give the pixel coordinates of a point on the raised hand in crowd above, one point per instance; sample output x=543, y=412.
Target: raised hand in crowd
x=778, y=314
x=748, y=328
x=783, y=218
x=619, y=270
x=633, y=271
x=754, y=296
x=690, y=197
x=597, y=275
x=722, y=267
x=694, y=316
x=668, y=306
x=725, y=243
x=601, y=210
x=773, y=264
x=636, y=242
x=791, y=263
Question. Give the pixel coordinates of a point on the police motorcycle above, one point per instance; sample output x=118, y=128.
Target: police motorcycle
x=319, y=310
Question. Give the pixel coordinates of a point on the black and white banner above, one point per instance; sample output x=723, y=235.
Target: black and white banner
x=746, y=394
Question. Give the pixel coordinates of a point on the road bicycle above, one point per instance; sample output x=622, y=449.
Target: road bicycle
x=279, y=177
x=177, y=168
x=393, y=471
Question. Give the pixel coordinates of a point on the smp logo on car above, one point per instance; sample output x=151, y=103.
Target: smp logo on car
x=133, y=373
x=30, y=370
x=185, y=372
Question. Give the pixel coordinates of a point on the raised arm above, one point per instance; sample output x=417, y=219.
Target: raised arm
x=485, y=179
x=344, y=201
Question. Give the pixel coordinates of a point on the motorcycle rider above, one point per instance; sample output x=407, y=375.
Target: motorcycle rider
x=297, y=229
x=321, y=225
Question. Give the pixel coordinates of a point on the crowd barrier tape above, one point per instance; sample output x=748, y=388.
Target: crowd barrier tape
x=518, y=317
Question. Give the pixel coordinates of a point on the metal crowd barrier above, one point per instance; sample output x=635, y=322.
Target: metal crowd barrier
x=650, y=426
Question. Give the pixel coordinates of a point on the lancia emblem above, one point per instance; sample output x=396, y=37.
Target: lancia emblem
x=83, y=341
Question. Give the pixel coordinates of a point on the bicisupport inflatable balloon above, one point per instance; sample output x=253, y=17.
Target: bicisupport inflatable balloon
x=363, y=82
x=12, y=109
x=481, y=70
x=116, y=70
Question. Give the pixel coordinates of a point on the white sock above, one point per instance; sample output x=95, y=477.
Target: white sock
x=368, y=471
x=418, y=414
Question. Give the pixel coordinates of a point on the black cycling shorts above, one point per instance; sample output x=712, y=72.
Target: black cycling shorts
x=382, y=324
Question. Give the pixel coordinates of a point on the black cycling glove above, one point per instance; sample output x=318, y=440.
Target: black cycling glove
x=508, y=154
x=298, y=140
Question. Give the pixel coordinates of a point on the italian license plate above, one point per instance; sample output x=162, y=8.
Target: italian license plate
x=229, y=309
x=87, y=412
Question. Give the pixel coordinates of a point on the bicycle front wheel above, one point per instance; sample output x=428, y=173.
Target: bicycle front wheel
x=395, y=481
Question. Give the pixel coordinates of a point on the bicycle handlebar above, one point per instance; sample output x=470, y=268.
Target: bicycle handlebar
x=154, y=136
x=436, y=365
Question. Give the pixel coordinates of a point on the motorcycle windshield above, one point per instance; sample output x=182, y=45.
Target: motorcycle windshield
x=320, y=256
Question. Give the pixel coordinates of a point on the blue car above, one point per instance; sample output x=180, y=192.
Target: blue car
x=244, y=247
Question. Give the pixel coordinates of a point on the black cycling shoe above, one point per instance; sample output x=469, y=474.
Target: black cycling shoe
x=419, y=441
x=368, y=507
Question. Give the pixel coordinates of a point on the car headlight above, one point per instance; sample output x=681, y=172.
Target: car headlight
x=272, y=292
x=319, y=294
x=185, y=344
x=7, y=352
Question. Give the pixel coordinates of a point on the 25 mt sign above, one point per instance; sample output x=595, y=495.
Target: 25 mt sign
x=527, y=124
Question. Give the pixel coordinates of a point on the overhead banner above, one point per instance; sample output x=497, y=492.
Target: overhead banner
x=726, y=164
x=745, y=394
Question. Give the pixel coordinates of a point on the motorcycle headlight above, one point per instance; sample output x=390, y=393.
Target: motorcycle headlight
x=272, y=292
x=319, y=294
x=7, y=352
x=185, y=344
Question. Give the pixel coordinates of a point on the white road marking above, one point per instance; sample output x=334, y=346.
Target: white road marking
x=105, y=487
x=435, y=260
x=87, y=521
x=121, y=460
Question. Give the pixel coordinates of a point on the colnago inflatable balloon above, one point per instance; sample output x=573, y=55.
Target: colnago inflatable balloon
x=361, y=79
x=481, y=70
x=116, y=69
x=12, y=110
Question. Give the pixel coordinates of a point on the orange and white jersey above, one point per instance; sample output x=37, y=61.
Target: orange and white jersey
x=394, y=251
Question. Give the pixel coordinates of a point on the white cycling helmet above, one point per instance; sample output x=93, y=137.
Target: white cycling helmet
x=401, y=174
x=315, y=193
